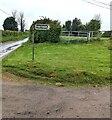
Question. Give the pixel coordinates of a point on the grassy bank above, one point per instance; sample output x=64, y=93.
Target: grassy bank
x=12, y=35
x=68, y=64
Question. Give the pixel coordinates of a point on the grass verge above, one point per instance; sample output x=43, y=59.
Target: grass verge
x=12, y=35
x=67, y=64
x=13, y=38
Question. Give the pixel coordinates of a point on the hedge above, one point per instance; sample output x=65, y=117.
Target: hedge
x=51, y=35
x=8, y=35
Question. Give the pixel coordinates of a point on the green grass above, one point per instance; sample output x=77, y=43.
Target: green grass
x=7, y=35
x=69, y=64
x=13, y=38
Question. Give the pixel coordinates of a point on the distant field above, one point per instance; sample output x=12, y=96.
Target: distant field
x=68, y=64
x=12, y=35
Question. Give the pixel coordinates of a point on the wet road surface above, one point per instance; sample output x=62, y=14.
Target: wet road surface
x=6, y=48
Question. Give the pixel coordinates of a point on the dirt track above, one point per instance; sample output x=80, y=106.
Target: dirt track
x=37, y=101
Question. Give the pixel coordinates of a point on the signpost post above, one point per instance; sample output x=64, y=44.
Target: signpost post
x=38, y=27
x=33, y=46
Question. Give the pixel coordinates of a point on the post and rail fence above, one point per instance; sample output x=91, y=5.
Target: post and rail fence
x=88, y=34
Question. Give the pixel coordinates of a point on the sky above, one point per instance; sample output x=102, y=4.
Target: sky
x=61, y=10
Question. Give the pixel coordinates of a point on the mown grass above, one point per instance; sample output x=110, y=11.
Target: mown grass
x=68, y=64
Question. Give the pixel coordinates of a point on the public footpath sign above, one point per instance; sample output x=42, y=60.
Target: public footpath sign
x=42, y=27
x=38, y=27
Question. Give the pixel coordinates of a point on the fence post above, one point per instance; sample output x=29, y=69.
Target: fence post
x=69, y=33
x=88, y=37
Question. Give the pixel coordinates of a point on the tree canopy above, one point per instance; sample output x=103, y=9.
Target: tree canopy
x=68, y=25
x=93, y=25
x=76, y=25
x=10, y=24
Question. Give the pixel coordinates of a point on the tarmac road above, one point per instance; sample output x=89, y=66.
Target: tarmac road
x=7, y=47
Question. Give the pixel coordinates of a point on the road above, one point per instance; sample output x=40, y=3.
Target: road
x=8, y=47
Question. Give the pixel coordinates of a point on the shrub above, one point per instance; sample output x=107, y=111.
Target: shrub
x=51, y=35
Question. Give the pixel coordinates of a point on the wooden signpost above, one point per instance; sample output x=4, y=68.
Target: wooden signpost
x=38, y=27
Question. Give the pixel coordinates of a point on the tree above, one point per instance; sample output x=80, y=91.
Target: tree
x=21, y=21
x=14, y=14
x=94, y=25
x=76, y=24
x=10, y=24
x=68, y=25
x=19, y=17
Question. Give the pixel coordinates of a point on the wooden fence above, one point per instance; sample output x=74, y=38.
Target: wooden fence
x=88, y=34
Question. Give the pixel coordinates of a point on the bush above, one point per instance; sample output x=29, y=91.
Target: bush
x=51, y=35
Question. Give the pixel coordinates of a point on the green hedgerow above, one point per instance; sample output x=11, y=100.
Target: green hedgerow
x=51, y=35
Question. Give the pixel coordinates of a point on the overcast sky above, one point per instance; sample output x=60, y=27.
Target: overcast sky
x=61, y=10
